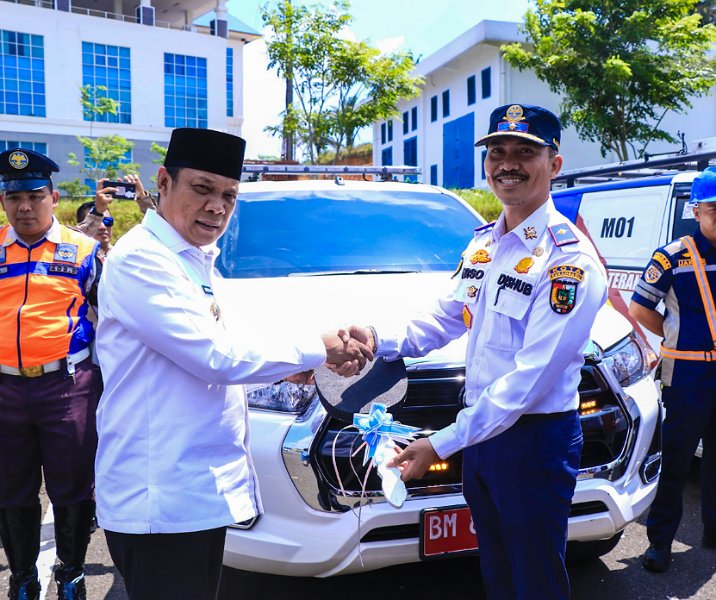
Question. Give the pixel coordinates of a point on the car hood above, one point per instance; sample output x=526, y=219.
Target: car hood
x=295, y=306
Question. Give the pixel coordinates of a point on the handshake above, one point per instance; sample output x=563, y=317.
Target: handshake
x=348, y=350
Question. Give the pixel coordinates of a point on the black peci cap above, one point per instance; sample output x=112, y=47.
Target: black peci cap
x=532, y=123
x=206, y=150
x=380, y=380
x=25, y=170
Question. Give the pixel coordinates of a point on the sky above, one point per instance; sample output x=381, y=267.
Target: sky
x=420, y=26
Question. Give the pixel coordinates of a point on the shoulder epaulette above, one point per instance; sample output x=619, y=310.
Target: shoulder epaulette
x=485, y=227
x=562, y=234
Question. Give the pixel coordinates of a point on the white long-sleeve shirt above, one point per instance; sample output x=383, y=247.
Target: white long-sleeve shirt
x=173, y=432
x=528, y=299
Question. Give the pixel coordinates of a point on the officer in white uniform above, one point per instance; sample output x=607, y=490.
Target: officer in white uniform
x=173, y=467
x=526, y=292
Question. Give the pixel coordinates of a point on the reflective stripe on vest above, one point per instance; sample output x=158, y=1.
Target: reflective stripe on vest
x=42, y=299
x=708, y=302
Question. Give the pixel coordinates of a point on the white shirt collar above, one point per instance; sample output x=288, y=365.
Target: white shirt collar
x=531, y=230
x=53, y=234
x=170, y=237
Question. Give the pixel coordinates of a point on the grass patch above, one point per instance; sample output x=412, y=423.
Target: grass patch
x=483, y=201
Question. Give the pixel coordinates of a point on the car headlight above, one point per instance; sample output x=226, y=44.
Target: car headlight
x=630, y=360
x=282, y=396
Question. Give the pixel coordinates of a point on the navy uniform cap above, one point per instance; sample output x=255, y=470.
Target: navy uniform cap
x=703, y=188
x=532, y=123
x=380, y=380
x=206, y=150
x=25, y=170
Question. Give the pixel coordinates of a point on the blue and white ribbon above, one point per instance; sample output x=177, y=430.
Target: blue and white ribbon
x=377, y=425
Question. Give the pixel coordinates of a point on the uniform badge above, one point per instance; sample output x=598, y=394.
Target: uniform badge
x=18, y=160
x=488, y=243
x=513, y=116
x=66, y=253
x=653, y=273
x=530, y=233
x=2, y=254
x=216, y=311
x=471, y=291
x=538, y=251
x=467, y=317
x=662, y=260
x=524, y=265
x=481, y=256
x=563, y=294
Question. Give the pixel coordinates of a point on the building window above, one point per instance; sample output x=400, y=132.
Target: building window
x=471, y=90
x=414, y=118
x=446, y=103
x=229, y=82
x=486, y=82
x=484, y=156
x=40, y=147
x=106, y=70
x=185, y=96
x=382, y=133
x=22, y=74
x=433, y=109
x=390, y=130
x=386, y=157
x=433, y=174
x=406, y=122
x=410, y=156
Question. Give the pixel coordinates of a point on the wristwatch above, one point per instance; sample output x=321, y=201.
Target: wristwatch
x=95, y=212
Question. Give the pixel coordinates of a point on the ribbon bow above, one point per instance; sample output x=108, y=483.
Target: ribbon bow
x=378, y=427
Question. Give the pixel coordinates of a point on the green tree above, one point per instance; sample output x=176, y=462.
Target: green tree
x=620, y=65
x=104, y=156
x=339, y=86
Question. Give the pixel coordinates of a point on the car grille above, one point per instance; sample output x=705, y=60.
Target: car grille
x=434, y=398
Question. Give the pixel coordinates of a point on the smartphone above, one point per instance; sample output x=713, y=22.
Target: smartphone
x=125, y=191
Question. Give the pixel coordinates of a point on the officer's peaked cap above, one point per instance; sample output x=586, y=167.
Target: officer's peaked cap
x=532, y=123
x=206, y=150
x=25, y=170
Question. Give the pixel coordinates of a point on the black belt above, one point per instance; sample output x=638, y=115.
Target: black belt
x=539, y=417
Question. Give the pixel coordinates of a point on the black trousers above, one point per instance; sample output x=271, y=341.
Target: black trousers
x=169, y=566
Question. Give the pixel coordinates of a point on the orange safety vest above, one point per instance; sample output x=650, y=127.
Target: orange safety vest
x=708, y=301
x=42, y=298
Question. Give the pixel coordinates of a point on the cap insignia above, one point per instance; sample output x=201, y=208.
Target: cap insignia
x=18, y=160
x=514, y=113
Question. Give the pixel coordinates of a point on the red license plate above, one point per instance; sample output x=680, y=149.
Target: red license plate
x=445, y=531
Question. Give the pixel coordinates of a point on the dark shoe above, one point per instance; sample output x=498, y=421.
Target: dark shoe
x=709, y=542
x=72, y=590
x=657, y=558
x=24, y=588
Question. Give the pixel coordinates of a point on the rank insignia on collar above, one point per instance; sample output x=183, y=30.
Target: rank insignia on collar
x=538, y=251
x=562, y=235
x=471, y=291
x=66, y=253
x=530, y=233
x=467, y=317
x=481, y=256
x=524, y=265
x=215, y=311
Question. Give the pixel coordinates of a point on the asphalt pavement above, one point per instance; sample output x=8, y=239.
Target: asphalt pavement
x=616, y=576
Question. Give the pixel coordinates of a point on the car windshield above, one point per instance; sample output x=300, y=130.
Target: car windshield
x=324, y=232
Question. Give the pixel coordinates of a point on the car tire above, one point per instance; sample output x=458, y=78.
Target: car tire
x=578, y=552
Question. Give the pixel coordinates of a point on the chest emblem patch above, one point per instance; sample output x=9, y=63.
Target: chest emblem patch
x=524, y=265
x=66, y=252
x=563, y=293
x=481, y=256
x=471, y=291
x=652, y=274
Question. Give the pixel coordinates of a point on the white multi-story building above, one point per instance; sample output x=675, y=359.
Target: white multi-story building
x=167, y=63
x=464, y=82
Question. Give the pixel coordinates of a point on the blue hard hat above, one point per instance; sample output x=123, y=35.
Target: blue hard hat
x=25, y=170
x=703, y=188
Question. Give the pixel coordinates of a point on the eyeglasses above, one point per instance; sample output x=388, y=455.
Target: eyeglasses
x=108, y=221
